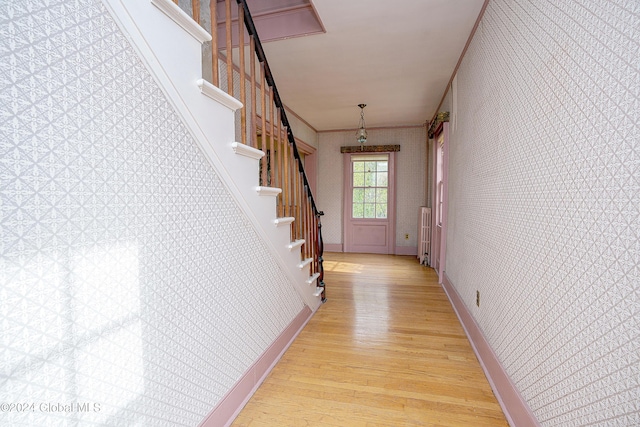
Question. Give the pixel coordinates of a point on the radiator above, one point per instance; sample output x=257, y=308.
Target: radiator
x=424, y=235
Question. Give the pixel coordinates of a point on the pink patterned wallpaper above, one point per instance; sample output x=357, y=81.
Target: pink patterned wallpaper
x=544, y=211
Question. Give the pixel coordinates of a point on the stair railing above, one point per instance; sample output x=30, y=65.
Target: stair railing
x=262, y=122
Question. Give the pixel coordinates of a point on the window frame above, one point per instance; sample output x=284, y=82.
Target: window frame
x=376, y=188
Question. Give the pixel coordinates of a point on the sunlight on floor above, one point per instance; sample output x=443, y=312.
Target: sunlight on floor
x=343, y=267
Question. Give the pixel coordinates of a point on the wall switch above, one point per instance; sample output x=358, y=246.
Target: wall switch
x=406, y=236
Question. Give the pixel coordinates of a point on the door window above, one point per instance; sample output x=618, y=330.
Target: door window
x=370, y=179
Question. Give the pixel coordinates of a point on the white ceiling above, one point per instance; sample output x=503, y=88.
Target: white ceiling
x=395, y=56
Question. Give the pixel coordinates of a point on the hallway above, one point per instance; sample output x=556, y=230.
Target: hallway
x=385, y=350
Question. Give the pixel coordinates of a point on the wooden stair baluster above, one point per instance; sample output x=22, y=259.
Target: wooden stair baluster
x=215, y=73
x=263, y=117
x=272, y=137
x=243, y=84
x=229, y=54
x=254, y=102
x=195, y=10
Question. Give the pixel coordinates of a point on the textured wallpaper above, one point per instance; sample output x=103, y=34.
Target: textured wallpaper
x=133, y=290
x=302, y=130
x=411, y=176
x=544, y=215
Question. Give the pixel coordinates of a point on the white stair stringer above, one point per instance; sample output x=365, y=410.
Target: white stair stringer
x=169, y=43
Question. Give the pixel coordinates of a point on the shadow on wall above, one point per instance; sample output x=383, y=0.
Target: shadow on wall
x=72, y=333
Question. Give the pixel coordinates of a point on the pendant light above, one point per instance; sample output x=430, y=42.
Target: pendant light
x=361, y=134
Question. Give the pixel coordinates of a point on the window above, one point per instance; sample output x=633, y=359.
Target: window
x=370, y=176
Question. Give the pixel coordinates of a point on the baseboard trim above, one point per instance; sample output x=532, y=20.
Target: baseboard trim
x=399, y=250
x=407, y=250
x=232, y=403
x=515, y=409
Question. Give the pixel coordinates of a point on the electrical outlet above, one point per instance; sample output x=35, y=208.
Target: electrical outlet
x=478, y=298
x=406, y=236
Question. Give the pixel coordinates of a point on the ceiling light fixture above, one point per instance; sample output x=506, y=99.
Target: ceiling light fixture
x=362, y=130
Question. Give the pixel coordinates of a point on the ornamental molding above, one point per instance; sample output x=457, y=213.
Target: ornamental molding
x=369, y=148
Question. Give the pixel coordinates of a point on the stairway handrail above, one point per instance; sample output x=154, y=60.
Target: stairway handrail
x=251, y=29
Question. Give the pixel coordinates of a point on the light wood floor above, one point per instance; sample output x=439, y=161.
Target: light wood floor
x=385, y=350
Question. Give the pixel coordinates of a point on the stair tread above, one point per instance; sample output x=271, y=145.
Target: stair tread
x=245, y=150
x=313, y=278
x=296, y=244
x=305, y=262
x=268, y=191
x=181, y=18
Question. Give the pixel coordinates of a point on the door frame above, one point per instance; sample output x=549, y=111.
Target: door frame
x=310, y=164
x=348, y=199
x=439, y=249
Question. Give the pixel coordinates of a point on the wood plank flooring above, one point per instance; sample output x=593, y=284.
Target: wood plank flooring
x=385, y=350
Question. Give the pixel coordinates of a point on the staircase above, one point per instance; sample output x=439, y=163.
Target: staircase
x=263, y=170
